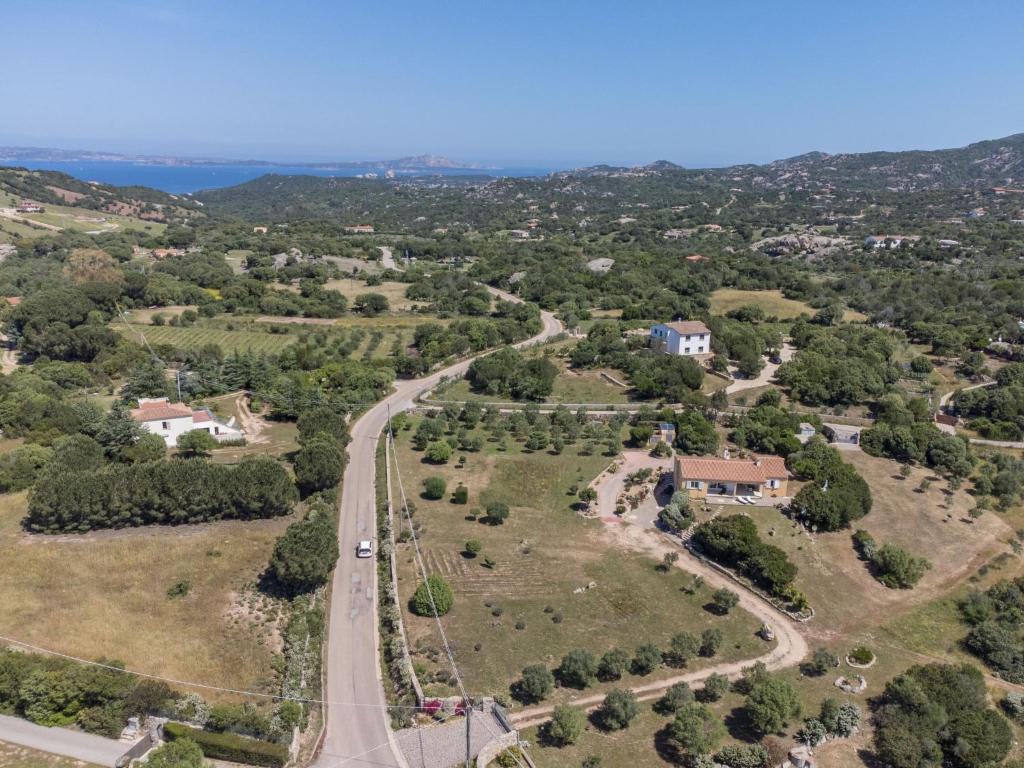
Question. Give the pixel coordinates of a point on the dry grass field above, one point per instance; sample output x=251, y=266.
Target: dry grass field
x=772, y=302
x=105, y=595
x=526, y=609
x=844, y=594
x=15, y=756
x=393, y=291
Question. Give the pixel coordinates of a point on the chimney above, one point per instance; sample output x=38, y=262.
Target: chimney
x=757, y=462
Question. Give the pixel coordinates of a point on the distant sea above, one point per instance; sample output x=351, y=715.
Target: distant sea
x=180, y=179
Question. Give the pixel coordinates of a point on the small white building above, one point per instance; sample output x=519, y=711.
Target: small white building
x=172, y=420
x=889, y=241
x=684, y=337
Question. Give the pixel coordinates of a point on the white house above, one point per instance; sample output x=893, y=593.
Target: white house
x=684, y=337
x=172, y=420
x=889, y=241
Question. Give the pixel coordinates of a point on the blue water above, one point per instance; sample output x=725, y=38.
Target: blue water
x=179, y=179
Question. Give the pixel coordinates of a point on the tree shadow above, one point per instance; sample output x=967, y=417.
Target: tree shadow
x=667, y=747
x=737, y=722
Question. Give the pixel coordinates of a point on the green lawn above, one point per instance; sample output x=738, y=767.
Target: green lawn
x=201, y=334
x=543, y=554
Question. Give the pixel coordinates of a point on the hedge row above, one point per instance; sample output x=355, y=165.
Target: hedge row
x=170, y=492
x=230, y=746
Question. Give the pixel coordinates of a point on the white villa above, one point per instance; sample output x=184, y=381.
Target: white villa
x=685, y=337
x=172, y=420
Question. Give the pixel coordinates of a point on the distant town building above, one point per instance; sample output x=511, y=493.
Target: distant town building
x=948, y=243
x=163, y=253
x=259, y=230
x=696, y=257
x=172, y=420
x=360, y=229
x=519, y=234
x=27, y=206
x=686, y=337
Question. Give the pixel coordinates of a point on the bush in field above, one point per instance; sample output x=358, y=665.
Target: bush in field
x=535, y=684
x=724, y=600
x=577, y=669
x=567, y=723
x=434, y=487
x=613, y=664
x=435, y=587
x=497, y=513
x=439, y=452
x=618, y=710
x=697, y=729
x=771, y=704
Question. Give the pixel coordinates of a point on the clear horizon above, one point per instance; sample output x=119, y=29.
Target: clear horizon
x=510, y=85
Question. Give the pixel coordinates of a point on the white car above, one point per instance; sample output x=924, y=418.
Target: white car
x=364, y=548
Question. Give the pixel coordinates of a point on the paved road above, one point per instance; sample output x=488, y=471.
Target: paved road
x=387, y=258
x=359, y=736
x=61, y=741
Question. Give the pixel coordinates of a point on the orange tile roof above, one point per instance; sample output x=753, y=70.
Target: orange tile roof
x=756, y=470
x=161, y=410
x=688, y=326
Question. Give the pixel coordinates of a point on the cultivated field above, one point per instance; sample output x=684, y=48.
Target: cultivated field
x=545, y=557
x=105, y=595
x=357, y=337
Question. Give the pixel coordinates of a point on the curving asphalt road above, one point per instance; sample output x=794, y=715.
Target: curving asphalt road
x=357, y=732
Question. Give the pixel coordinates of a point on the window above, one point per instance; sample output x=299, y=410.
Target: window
x=774, y=483
x=694, y=484
x=164, y=425
x=700, y=349
x=686, y=351
x=216, y=430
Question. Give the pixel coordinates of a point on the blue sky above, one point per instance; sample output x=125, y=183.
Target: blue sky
x=555, y=83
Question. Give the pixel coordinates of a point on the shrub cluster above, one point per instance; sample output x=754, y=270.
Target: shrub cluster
x=230, y=746
x=733, y=541
x=171, y=492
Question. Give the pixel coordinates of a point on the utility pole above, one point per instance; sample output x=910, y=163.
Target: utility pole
x=469, y=756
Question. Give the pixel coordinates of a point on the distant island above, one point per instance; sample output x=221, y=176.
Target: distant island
x=50, y=154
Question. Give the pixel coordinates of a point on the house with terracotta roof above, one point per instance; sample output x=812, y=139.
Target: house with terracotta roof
x=683, y=337
x=711, y=476
x=172, y=420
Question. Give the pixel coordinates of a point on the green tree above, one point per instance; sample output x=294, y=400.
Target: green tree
x=437, y=588
x=772, y=704
x=434, y=487
x=322, y=420
x=536, y=683
x=305, y=554
x=371, y=304
x=497, y=513
x=646, y=659
x=196, y=442
x=683, y=647
x=613, y=664
x=567, y=723
x=677, y=695
x=319, y=465
x=439, y=452
x=577, y=669
x=724, y=600
x=697, y=729
x=715, y=687
x=618, y=710
x=696, y=434
x=710, y=641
